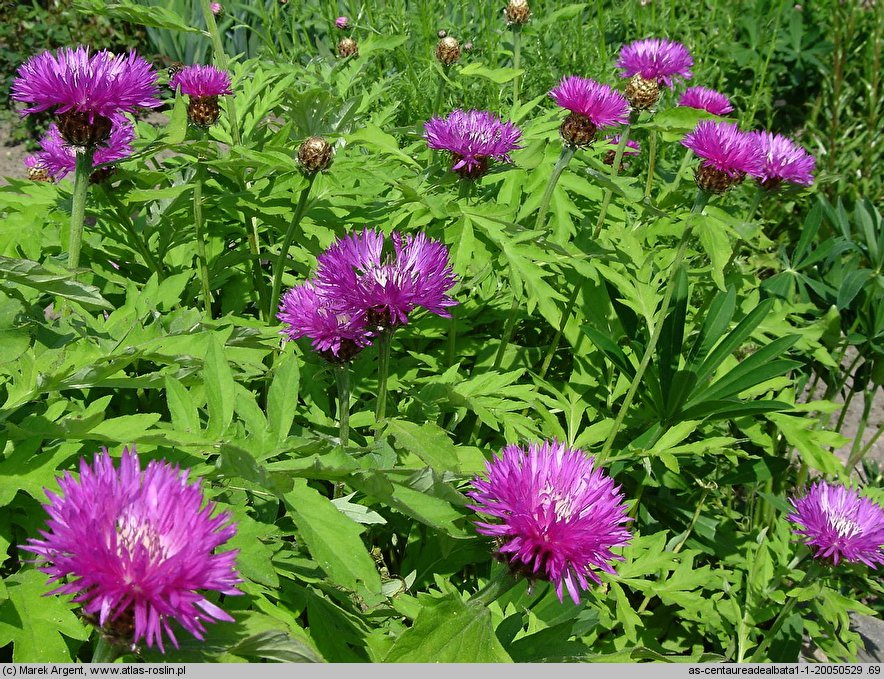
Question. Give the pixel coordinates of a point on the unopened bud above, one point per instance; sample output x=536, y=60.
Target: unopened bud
x=468, y=47
x=448, y=51
x=442, y=33
x=315, y=155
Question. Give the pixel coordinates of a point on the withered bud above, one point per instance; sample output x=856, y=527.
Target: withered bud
x=347, y=47
x=315, y=155
x=448, y=51
x=517, y=12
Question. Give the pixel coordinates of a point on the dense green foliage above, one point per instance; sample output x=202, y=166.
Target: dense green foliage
x=772, y=299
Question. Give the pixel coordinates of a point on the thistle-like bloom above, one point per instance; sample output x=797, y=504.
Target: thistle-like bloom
x=201, y=81
x=593, y=106
x=558, y=517
x=837, y=523
x=359, y=280
x=782, y=160
x=662, y=61
x=85, y=90
x=704, y=99
x=472, y=137
x=728, y=154
x=336, y=336
x=632, y=147
x=135, y=547
x=59, y=158
x=217, y=8
x=342, y=23
x=203, y=84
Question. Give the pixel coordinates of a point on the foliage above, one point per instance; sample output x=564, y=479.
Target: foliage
x=367, y=552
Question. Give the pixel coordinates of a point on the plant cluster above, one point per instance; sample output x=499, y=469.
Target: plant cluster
x=519, y=379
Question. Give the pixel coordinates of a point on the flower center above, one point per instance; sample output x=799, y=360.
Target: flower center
x=552, y=498
x=845, y=526
x=134, y=533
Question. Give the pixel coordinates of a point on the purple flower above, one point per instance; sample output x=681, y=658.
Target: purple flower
x=217, y=8
x=728, y=154
x=782, y=160
x=359, y=279
x=343, y=23
x=839, y=524
x=662, y=61
x=472, y=137
x=201, y=81
x=100, y=84
x=632, y=147
x=59, y=158
x=135, y=546
x=307, y=313
x=558, y=516
x=603, y=106
x=704, y=99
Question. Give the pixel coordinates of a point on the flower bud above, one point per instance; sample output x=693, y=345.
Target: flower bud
x=517, y=12
x=442, y=33
x=217, y=9
x=342, y=23
x=468, y=47
x=347, y=47
x=315, y=155
x=642, y=93
x=448, y=51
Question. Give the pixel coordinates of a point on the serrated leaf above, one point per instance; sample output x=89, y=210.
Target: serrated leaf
x=220, y=389
x=428, y=441
x=39, y=277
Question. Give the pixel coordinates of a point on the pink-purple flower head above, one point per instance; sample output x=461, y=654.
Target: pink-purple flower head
x=782, y=160
x=555, y=517
x=86, y=90
x=632, y=147
x=59, y=158
x=342, y=23
x=136, y=547
x=705, y=99
x=472, y=137
x=837, y=524
x=336, y=336
x=201, y=81
x=593, y=106
x=360, y=279
x=728, y=154
x=662, y=61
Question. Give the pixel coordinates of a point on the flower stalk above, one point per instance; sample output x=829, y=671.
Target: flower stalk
x=517, y=62
x=615, y=169
x=287, y=242
x=201, y=240
x=105, y=651
x=652, y=160
x=699, y=203
x=78, y=205
x=342, y=380
x=384, y=341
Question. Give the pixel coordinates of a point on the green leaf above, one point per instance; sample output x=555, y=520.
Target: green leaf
x=332, y=538
x=39, y=277
x=716, y=244
x=220, y=389
x=155, y=15
x=124, y=429
x=374, y=137
x=500, y=76
x=428, y=441
x=185, y=416
x=811, y=443
x=450, y=630
x=35, y=623
x=282, y=397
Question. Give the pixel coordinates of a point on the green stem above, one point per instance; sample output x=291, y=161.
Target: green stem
x=495, y=588
x=78, y=206
x=342, y=379
x=652, y=160
x=221, y=61
x=857, y=451
x=517, y=62
x=699, y=204
x=865, y=449
x=139, y=243
x=105, y=651
x=440, y=92
x=813, y=571
x=564, y=158
x=383, y=343
x=676, y=180
x=201, y=239
x=615, y=169
x=282, y=258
